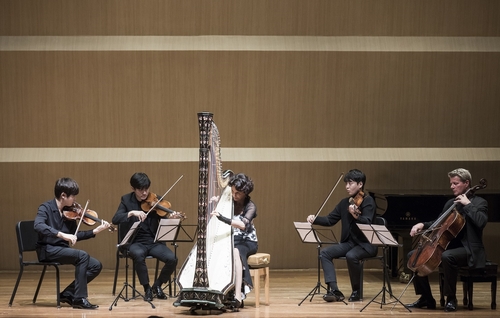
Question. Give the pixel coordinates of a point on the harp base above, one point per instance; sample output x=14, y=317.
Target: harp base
x=200, y=298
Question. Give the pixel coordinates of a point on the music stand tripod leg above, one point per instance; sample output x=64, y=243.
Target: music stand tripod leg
x=124, y=289
x=317, y=288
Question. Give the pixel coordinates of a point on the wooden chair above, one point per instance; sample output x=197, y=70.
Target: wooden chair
x=259, y=267
x=26, y=242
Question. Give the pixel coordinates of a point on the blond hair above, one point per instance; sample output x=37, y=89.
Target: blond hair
x=462, y=173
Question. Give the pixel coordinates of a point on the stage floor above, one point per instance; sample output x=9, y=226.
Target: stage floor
x=287, y=289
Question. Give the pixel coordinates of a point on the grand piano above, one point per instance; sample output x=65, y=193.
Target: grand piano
x=404, y=208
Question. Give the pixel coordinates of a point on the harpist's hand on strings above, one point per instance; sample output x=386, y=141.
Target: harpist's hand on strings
x=215, y=213
x=214, y=199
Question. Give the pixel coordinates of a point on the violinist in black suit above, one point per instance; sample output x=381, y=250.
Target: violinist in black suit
x=143, y=244
x=56, y=233
x=353, y=243
x=466, y=249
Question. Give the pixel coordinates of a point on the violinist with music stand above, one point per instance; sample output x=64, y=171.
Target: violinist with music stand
x=458, y=231
x=143, y=243
x=356, y=208
x=58, y=235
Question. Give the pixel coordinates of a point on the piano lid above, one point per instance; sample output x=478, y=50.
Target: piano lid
x=405, y=208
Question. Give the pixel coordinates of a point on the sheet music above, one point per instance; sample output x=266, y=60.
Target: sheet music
x=129, y=233
x=305, y=232
x=317, y=234
x=167, y=230
x=378, y=234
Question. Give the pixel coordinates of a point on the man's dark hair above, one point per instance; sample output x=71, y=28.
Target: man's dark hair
x=140, y=181
x=355, y=175
x=66, y=185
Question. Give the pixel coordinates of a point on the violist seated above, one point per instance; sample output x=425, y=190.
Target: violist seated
x=353, y=243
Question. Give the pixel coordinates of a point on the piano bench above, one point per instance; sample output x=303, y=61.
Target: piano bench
x=468, y=277
x=259, y=267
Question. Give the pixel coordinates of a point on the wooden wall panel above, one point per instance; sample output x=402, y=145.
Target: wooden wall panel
x=287, y=99
x=257, y=17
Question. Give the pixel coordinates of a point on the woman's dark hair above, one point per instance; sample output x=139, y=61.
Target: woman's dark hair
x=355, y=175
x=66, y=185
x=242, y=183
x=140, y=180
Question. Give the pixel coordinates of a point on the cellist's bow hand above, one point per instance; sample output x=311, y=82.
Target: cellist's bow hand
x=416, y=229
x=462, y=198
x=311, y=218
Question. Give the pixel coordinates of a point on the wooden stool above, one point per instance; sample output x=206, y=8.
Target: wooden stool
x=259, y=267
x=468, y=277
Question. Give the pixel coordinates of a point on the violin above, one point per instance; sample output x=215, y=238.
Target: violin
x=357, y=200
x=74, y=212
x=161, y=207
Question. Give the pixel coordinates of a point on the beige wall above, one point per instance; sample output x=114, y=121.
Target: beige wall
x=400, y=100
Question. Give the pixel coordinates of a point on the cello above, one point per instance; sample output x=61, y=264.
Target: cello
x=434, y=241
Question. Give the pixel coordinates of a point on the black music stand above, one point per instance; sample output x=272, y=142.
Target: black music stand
x=169, y=230
x=124, y=244
x=319, y=236
x=379, y=235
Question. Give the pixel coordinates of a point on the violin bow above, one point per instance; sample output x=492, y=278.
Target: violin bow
x=158, y=201
x=328, y=197
x=81, y=217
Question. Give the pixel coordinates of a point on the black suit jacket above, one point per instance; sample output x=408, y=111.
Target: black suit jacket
x=350, y=231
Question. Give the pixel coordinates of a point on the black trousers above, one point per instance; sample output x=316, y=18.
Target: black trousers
x=353, y=253
x=86, y=268
x=139, y=252
x=451, y=260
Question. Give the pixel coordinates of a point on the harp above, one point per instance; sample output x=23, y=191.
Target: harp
x=207, y=276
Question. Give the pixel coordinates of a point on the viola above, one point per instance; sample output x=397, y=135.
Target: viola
x=427, y=256
x=74, y=212
x=161, y=207
x=357, y=200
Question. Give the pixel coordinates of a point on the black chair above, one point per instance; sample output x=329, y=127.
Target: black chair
x=379, y=221
x=26, y=241
x=122, y=252
x=468, y=277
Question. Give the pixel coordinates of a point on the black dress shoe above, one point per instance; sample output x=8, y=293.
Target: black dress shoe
x=148, y=294
x=83, y=303
x=354, y=296
x=333, y=295
x=430, y=303
x=63, y=298
x=451, y=305
x=159, y=292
